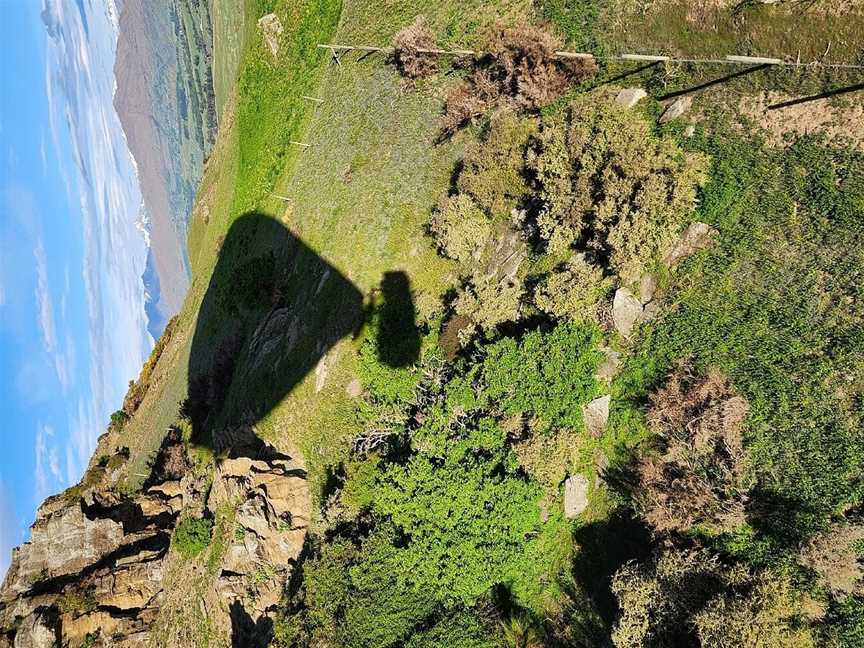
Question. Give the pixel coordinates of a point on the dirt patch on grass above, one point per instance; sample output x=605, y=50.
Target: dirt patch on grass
x=840, y=123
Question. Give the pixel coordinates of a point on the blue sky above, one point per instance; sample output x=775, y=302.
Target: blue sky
x=73, y=247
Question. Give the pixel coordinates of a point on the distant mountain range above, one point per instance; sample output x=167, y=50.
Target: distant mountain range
x=166, y=104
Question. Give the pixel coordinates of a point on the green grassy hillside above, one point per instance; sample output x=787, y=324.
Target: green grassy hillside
x=439, y=416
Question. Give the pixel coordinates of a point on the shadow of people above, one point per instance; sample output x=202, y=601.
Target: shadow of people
x=398, y=338
x=247, y=633
x=272, y=310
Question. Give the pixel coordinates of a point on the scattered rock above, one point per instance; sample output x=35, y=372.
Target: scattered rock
x=696, y=236
x=271, y=29
x=354, y=389
x=596, y=414
x=629, y=97
x=647, y=288
x=649, y=312
x=575, y=496
x=626, y=310
x=675, y=109
x=610, y=366
x=601, y=465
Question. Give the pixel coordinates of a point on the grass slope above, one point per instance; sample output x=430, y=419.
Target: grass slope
x=775, y=304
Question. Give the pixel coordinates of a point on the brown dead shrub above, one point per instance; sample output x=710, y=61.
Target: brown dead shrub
x=520, y=70
x=834, y=555
x=410, y=61
x=699, y=476
x=461, y=107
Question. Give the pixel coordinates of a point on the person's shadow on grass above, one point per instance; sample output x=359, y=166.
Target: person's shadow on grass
x=271, y=312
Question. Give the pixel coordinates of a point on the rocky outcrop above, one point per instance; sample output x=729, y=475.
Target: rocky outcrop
x=695, y=237
x=95, y=567
x=271, y=498
x=575, y=496
x=675, y=109
x=629, y=97
x=271, y=30
x=92, y=566
x=596, y=414
x=626, y=311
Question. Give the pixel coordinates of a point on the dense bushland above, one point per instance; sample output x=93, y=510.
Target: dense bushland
x=725, y=491
x=455, y=510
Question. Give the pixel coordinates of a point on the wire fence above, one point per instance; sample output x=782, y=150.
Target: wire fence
x=730, y=59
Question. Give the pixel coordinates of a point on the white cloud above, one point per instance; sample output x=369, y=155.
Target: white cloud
x=84, y=429
x=43, y=155
x=45, y=310
x=43, y=472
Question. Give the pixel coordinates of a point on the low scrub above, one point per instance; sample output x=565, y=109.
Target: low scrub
x=689, y=598
x=192, y=536
x=699, y=475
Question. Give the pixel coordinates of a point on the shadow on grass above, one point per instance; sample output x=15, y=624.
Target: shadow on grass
x=605, y=547
x=712, y=82
x=821, y=95
x=272, y=311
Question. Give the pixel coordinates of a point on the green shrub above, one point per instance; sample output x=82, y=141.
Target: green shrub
x=690, y=598
x=605, y=178
x=549, y=376
x=489, y=302
x=192, y=536
x=573, y=291
x=118, y=419
x=493, y=172
x=461, y=229
x=459, y=630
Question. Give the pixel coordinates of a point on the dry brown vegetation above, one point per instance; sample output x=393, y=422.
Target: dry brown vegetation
x=834, y=555
x=171, y=461
x=699, y=475
x=410, y=61
x=689, y=598
x=519, y=70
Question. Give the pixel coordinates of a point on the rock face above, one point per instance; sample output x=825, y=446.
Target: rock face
x=93, y=572
x=575, y=496
x=93, y=565
x=629, y=97
x=272, y=514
